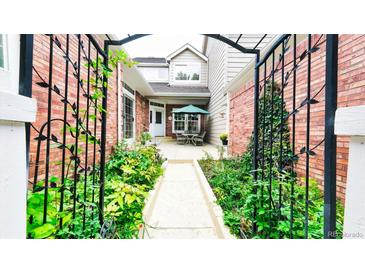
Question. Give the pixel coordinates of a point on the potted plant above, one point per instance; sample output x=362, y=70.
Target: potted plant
x=224, y=138
x=145, y=138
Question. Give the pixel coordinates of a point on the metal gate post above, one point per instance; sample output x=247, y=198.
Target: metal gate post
x=103, y=136
x=256, y=132
x=25, y=78
x=330, y=137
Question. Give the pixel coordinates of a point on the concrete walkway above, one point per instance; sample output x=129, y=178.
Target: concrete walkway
x=173, y=151
x=181, y=205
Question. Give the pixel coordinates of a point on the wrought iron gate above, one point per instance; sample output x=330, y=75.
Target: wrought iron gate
x=67, y=142
x=276, y=94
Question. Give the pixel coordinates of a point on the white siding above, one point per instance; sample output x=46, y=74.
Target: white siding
x=225, y=62
x=185, y=57
x=238, y=60
x=217, y=53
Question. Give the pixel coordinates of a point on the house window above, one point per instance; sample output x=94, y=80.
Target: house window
x=187, y=72
x=3, y=51
x=186, y=123
x=158, y=117
x=128, y=118
x=193, y=122
x=179, y=122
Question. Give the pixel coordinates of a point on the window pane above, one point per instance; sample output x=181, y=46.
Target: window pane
x=179, y=125
x=128, y=117
x=188, y=72
x=158, y=117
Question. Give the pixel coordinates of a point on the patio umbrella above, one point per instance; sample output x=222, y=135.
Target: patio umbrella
x=190, y=109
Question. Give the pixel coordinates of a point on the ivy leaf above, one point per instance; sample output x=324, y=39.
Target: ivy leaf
x=54, y=138
x=302, y=150
x=56, y=89
x=314, y=49
x=57, y=42
x=43, y=231
x=41, y=138
x=303, y=55
x=42, y=84
x=313, y=101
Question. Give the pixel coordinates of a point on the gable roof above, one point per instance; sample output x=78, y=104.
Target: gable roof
x=186, y=47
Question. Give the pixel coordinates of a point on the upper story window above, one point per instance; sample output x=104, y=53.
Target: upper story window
x=187, y=72
x=3, y=64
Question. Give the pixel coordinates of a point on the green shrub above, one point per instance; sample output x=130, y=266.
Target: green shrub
x=131, y=174
x=238, y=194
x=145, y=137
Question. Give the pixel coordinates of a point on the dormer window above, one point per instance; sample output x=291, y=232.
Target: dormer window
x=187, y=72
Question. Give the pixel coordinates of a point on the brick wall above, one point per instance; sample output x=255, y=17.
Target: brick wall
x=41, y=66
x=142, y=114
x=351, y=92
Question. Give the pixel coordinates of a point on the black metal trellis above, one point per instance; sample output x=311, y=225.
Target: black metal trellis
x=274, y=56
x=72, y=132
x=73, y=120
x=287, y=71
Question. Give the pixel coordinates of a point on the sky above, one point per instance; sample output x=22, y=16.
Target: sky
x=161, y=45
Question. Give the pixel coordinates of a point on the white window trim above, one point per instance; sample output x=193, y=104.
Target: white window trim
x=187, y=81
x=185, y=123
x=6, y=54
x=133, y=98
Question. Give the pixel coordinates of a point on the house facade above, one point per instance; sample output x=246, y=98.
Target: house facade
x=225, y=62
x=177, y=80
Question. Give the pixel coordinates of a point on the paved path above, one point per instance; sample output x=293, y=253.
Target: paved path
x=180, y=209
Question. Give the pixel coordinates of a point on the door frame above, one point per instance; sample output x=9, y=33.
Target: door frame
x=163, y=109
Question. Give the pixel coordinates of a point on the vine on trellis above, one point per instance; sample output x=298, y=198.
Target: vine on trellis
x=50, y=209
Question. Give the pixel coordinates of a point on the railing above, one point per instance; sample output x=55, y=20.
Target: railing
x=67, y=144
x=287, y=92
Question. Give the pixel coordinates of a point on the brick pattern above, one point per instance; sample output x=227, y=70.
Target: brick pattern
x=142, y=114
x=41, y=65
x=351, y=92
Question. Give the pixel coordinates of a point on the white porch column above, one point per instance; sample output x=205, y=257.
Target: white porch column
x=350, y=121
x=15, y=110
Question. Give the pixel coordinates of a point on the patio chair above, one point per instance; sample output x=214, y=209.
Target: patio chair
x=199, y=139
x=181, y=139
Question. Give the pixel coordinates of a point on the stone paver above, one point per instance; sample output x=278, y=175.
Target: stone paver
x=172, y=151
x=179, y=207
x=180, y=210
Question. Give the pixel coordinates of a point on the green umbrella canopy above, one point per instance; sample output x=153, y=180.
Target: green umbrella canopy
x=190, y=109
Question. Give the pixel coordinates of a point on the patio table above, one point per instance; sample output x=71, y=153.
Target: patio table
x=190, y=138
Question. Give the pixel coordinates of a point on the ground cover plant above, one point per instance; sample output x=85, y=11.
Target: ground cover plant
x=279, y=213
x=130, y=175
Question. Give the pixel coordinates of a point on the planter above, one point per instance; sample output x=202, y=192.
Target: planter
x=224, y=142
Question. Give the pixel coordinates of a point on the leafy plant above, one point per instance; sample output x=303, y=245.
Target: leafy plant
x=79, y=189
x=131, y=174
x=145, y=137
x=223, y=136
x=279, y=214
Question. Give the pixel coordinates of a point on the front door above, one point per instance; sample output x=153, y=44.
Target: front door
x=157, y=122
